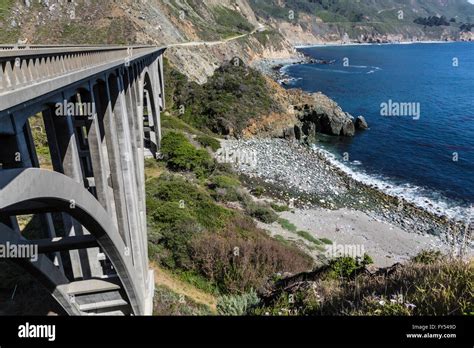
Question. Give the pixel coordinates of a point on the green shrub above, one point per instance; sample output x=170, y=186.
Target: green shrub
x=279, y=208
x=346, y=266
x=258, y=191
x=198, y=281
x=231, y=19
x=169, y=122
x=5, y=8
x=287, y=225
x=167, y=302
x=172, y=192
x=308, y=237
x=177, y=211
x=237, y=305
x=175, y=83
x=227, y=102
x=208, y=141
x=226, y=188
x=261, y=212
x=281, y=239
x=428, y=257
x=326, y=241
x=180, y=154
x=224, y=181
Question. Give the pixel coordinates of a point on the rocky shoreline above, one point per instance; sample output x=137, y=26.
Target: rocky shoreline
x=274, y=67
x=294, y=171
x=306, y=179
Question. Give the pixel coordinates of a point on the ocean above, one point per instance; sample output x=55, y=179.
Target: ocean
x=418, y=100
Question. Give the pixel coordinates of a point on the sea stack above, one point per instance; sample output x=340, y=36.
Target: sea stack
x=361, y=123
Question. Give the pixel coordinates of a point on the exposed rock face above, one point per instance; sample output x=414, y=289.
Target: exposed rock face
x=335, y=123
x=361, y=123
x=304, y=117
x=290, y=133
x=323, y=115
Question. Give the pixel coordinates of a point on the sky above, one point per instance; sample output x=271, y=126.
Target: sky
x=471, y=1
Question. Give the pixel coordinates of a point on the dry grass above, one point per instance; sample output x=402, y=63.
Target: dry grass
x=443, y=287
x=243, y=257
x=165, y=278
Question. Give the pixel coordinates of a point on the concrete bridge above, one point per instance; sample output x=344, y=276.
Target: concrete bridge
x=85, y=213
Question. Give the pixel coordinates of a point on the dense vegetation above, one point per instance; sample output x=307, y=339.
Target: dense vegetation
x=466, y=27
x=225, y=22
x=231, y=20
x=5, y=6
x=367, y=17
x=432, y=21
x=192, y=232
x=343, y=9
x=225, y=103
x=356, y=11
x=431, y=284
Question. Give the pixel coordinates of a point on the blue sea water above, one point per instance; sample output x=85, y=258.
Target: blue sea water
x=411, y=157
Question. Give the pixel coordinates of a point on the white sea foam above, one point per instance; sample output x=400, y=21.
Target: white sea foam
x=426, y=199
x=373, y=69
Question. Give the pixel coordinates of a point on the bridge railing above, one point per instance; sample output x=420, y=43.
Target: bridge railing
x=24, y=66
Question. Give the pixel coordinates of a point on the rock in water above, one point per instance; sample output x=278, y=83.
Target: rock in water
x=361, y=123
x=348, y=129
x=334, y=121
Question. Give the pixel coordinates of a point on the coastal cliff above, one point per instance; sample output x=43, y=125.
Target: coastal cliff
x=238, y=101
x=249, y=29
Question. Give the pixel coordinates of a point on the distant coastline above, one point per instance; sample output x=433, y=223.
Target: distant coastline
x=274, y=67
x=335, y=43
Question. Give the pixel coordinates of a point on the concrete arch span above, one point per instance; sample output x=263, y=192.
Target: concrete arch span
x=46, y=191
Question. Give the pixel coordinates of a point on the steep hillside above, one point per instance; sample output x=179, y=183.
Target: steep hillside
x=248, y=29
x=307, y=21
x=151, y=22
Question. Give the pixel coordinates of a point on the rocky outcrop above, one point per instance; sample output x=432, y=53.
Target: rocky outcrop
x=305, y=115
x=336, y=123
x=361, y=123
x=320, y=114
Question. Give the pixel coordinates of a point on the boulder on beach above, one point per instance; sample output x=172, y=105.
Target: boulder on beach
x=289, y=133
x=361, y=123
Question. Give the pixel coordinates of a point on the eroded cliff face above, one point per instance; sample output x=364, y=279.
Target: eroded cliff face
x=276, y=26
x=303, y=116
x=218, y=28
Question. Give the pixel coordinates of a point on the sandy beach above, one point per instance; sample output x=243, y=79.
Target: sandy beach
x=386, y=243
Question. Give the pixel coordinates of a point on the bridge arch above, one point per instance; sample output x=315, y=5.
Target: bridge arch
x=97, y=162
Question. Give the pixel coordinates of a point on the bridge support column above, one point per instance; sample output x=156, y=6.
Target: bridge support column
x=134, y=121
x=65, y=158
x=109, y=96
x=128, y=169
x=101, y=169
